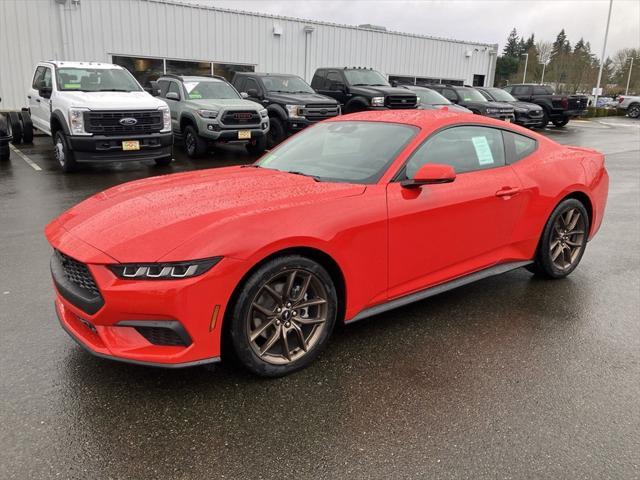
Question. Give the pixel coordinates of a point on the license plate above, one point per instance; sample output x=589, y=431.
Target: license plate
x=131, y=145
x=244, y=134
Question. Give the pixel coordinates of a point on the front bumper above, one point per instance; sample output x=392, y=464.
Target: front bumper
x=102, y=148
x=216, y=133
x=527, y=121
x=506, y=117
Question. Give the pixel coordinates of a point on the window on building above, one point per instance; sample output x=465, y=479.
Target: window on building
x=181, y=67
x=144, y=70
x=400, y=80
x=478, y=80
x=427, y=81
x=228, y=70
x=452, y=82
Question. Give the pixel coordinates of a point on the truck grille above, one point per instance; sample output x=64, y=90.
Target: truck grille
x=400, y=101
x=317, y=112
x=78, y=274
x=124, y=122
x=240, y=118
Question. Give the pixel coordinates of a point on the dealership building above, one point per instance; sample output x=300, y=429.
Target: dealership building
x=152, y=37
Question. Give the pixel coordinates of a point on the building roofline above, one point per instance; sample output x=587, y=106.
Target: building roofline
x=318, y=22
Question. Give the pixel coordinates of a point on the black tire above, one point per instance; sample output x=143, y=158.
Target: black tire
x=164, y=161
x=543, y=263
x=194, y=144
x=5, y=152
x=27, y=127
x=545, y=118
x=276, y=133
x=561, y=123
x=253, y=291
x=634, y=110
x=258, y=146
x=354, y=107
x=16, y=127
x=63, y=154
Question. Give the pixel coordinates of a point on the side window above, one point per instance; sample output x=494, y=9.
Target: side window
x=449, y=94
x=541, y=91
x=518, y=146
x=521, y=90
x=466, y=149
x=239, y=84
x=46, y=78
x=317, y=82
x=333, y=78
x=251, y=84
x=174, y=88
x=164, y=86
x=486, y=95
x=37, y=77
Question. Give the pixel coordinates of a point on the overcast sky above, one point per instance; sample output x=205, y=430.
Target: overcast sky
x=487, y=21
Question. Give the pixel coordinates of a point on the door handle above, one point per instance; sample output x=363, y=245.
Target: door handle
x=507, y=191
x=29, y=97
x=38, y=100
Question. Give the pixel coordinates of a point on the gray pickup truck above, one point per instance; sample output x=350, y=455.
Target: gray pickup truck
x=631, y=104
x=207, y=110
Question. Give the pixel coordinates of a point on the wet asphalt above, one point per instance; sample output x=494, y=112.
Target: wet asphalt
x=509, y=378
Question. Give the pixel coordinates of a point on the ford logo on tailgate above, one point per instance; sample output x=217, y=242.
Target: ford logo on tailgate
x=128, y=121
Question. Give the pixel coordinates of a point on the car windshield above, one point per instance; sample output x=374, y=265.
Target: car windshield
x=349, y=151
x=209, y=90
x=286, y=84
x=430, y=97
x=500, y=95
x=96, y=80
x=365, y=77
x=470, y=94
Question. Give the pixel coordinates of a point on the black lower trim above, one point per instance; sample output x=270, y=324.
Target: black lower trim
x=80, y=297
x=107, y=148
x=443, y=287
x=195, y=363
x=145, y=327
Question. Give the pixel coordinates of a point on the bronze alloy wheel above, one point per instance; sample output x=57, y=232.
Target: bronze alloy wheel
x=567, y=238
x=287, y=316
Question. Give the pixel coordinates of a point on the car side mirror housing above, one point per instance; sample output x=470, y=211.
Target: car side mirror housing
x=172, y=96
x=252, y=92
x=244, y=94
x=430, y=174
x=155, y=89
x=45, y=92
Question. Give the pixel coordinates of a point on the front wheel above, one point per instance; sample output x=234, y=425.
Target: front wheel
x=257, y=146
x=561, y=123
x=64, y=155
x=634, y=110
x=283, y=316
x=194, y=144
x=563, y=241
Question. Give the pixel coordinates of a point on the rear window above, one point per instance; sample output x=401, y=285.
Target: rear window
x=542, y=90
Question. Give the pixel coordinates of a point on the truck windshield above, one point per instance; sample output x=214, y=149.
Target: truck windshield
x=471, y=95
x=286, y=84
x=349, y=151
x=500, y=95
x=365, y=77
x=210, y=90
x=96, y=80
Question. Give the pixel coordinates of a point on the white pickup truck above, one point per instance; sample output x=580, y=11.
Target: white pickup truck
x=630, y=104
x=98, y=112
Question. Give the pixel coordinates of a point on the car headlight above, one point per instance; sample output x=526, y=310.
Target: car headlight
x=208, y=113
x=417, y=99
x=166, y=119
x=294, y=111
x=76, y=121
x=264, y=113
x=377, y=102
x=163, y=270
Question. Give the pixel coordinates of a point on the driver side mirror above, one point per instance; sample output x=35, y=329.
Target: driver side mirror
x=430, y=174
x=172, y=96
x=155, y=89
x=244, y=95
x=252, y=92
x=45, y=92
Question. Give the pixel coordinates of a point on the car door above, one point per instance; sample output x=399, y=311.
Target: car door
x=257, y=93
x=174, y=105
x=334, y=86
x=40, y=106
x=439, y=232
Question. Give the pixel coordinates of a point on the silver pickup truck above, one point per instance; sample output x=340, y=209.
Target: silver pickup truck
x=631, y=104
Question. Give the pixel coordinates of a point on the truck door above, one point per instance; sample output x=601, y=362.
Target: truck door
x=39, y=100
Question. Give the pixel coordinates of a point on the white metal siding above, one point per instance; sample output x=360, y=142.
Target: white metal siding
x=93, y=30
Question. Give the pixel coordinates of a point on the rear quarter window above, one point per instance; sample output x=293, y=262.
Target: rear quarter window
x=518, y=146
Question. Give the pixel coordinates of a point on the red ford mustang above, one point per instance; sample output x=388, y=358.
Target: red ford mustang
x=347, y=219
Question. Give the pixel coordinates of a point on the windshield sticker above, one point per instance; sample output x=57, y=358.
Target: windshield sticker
x=190, y=86
x=72, y=85
x=195, y=96
x=483, y=150
x=268, y=159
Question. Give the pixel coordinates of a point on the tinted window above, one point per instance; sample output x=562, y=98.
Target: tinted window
x=239, y=83
x=174, y=88
x=354, y=152
x=464, y=148
x=542, y=90
x=333, y=78
x=251, y=84
x=318, y=80
x=521, y=90
x=449, y=94
x=164, y=86
x=286, y=84
x=37, y=77
x=518, y=146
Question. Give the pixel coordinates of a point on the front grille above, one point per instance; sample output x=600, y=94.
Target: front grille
x=78, y=274
x=317, y=112
x=240, y=118
x=400, y=101
x=133, y=122
x=161, y=336
x=535, y=114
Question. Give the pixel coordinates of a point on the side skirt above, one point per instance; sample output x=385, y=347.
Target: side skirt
x=443, y=287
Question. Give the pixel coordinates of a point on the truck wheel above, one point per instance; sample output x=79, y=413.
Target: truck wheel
x=258, y=146
x=164, y=161
x=194, y=144
x=27, y=127
x=276, y=133
x=634, y=110
x=16, y=127
x=63, y=154
x=545, y=119
x=562, y=122
x=5, y=152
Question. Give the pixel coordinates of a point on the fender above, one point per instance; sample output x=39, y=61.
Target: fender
x=356, y=101
x=276, y=110
x=191, y=117
x=59, y=116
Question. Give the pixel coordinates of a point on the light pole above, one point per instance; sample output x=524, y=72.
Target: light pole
x=544, y=65
x=626, y=92
x=526, y=61
x=604, y=48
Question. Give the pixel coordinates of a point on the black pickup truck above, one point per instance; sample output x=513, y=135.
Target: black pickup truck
x=558, y=109
x=5, y=137
x=291, y=102
x=359, y=89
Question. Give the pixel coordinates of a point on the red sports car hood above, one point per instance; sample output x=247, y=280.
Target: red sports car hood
x=142, y=221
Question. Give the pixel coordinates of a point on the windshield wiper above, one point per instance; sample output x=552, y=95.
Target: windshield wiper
x=317, y=179
x=112, y=90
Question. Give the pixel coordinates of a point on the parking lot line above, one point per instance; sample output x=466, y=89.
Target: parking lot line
x=30, y=162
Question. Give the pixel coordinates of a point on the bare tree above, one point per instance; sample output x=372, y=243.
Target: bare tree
x=544, y=50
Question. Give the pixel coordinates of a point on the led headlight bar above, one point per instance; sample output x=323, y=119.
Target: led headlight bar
x=163, y=270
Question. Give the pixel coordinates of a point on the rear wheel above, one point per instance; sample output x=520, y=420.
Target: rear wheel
x=16, y=127
x=634, y=110
x=283, y=316
x=194, y=144
x=257, y=146
x=562, y=122
x=563, y=241
x=27, y=127
x=64, y=155
x=276, y=133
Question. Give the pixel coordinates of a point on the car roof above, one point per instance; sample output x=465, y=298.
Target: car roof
x=192, y=78
x=98, y=65
x=265, y=74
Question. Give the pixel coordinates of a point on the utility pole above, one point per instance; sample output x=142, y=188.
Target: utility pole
x=626, y=92
x=544, y=65
x=526, y=61
x=604, y=48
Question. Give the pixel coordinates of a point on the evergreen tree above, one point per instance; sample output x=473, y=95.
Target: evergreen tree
x=529, y=44
x=561, y=45
x=511, y=48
